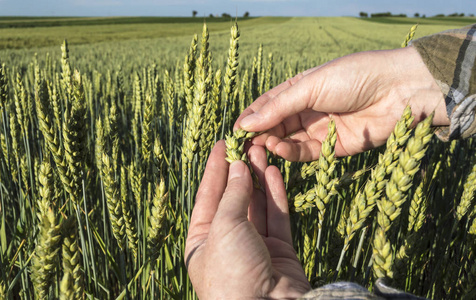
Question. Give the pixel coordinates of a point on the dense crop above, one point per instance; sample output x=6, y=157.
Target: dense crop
x=99, y=166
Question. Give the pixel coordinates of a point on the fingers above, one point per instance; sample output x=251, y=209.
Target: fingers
x=302, y=151
x=263, y=99
x=258, y=161
x=277, y=206
x=290, y=101
x=257, y=209
x=210, y=191
x=236, y=199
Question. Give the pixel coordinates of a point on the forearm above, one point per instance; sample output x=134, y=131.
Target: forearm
x=450, y=56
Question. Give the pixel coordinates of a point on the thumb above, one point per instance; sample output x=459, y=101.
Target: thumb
x=238, y=192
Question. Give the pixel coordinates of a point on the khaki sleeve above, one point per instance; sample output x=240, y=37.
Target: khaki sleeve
x=450, y=57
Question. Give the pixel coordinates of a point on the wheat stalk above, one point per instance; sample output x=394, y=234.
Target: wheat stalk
x=322, y=192
x=136, y=177
x=196, y=119
x=157, y=217
x=71, y=286
x=74, y=139
x=409, y=36
x=3, y=87
x=131, y=231
x=389, y=207
x=268, y=75
x=45, y=260
x=189, y=73
x=66, y=82
x=147, y=132
x=229, y=80
x=417, y=209
x=259, y=67
x=468, y=194
x=364, y=203
x=114, y=204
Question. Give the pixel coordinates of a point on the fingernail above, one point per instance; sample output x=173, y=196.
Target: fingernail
x=236, y=170
x=250, y=120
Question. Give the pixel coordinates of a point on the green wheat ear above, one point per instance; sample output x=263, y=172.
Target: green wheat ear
x=72, y=284
x=45, y=261
x=114, y=205
x=390, y=206
x=235, y=145
x=157, y=218
x=409, y=36
x=127, y=210
x=467, y=199
x=323, y=168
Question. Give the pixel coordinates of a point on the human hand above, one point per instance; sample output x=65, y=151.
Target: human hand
x=239, y=243
x=365, y=93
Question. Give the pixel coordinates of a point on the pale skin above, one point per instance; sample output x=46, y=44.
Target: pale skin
x=239, y=244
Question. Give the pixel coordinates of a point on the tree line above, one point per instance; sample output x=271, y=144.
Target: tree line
x=363, y=14
x=223, y=15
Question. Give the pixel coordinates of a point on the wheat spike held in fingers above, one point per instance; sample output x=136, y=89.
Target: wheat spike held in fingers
x=235, y=145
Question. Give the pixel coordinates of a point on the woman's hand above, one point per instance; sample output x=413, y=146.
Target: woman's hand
x=365, y=93
x=239, y=243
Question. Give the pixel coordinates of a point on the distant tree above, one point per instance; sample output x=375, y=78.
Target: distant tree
x=471, y=15
x=194, y=13
x=461, y=14
x=225, y=15
x=439, y=15
x=424, y=16
x=417, y=15
x=379, y=15
x=211, y=16
x=363, y=14
x=453, y=15
x=246, y=15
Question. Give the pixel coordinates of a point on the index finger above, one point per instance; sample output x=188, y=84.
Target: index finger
x=272, y=111
x=266, y=97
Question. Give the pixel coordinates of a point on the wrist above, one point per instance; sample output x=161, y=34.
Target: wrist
x=418, y=88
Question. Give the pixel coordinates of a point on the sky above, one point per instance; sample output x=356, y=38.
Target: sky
x=232, y=7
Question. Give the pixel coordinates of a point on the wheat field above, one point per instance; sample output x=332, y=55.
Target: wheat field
x=103, y=145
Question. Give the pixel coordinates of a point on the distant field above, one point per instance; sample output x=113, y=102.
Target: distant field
x=38, y=32
x=461, y=21
x=20, y=22
x=17, y=33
